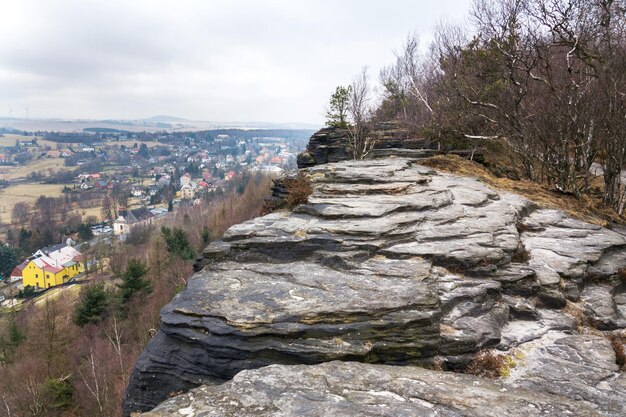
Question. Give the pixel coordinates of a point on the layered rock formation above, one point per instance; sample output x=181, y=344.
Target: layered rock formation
x=331, y=144
x=393, y=263
x=355, y=389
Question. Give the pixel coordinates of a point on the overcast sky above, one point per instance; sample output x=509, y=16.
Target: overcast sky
x=261, y=60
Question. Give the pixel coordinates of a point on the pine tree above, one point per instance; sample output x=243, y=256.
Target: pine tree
x=132, y=280
x=92, y=304
x=337, y=114
x=8, y=259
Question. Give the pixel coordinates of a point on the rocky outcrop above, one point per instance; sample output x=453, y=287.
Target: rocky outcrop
x=352, y=389
x=331, y=144
x=393, y=263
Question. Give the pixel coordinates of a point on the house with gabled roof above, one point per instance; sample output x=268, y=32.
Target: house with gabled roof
x=52, y=265
x=128, y=219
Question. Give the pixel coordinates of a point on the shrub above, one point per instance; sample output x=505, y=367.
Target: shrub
x=620, y=353
x=299, y=189
x=489, y=364
x=521, y=256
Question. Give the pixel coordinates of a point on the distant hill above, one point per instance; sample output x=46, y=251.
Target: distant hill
x=104, y=130
x=165, y=119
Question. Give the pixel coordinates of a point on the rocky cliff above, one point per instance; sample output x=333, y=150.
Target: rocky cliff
x=331, y=144
x=393, y=263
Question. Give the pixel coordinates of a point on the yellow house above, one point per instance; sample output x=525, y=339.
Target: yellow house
x=46, y=269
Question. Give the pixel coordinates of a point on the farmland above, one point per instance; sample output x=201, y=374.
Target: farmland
x=27, y=193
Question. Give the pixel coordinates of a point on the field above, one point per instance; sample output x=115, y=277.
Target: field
x=44, y=164
x=27, y=193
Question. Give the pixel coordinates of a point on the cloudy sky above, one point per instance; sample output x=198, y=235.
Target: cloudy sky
x=230, y=60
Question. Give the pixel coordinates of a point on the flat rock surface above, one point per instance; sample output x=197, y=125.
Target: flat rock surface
x=354, y=389
x=388, y=262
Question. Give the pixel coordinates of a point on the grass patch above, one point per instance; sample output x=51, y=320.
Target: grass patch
x=489, y=364
x=27, y=193
x=22, y=171
x=587, y=208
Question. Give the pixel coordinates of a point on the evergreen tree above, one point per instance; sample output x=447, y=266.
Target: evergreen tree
x=92, y=304
x=84, y=232
x=8, y=259
x=206, y=235
x=177, y=242
x=133, y=281
x=337, y=114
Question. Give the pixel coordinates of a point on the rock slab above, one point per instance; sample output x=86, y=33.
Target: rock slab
x=389, y=262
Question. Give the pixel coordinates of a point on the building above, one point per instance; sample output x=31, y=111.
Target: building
x=187, y=193
x=131, y=218
x=16, y=274
x=52, y=266
x=185, y=180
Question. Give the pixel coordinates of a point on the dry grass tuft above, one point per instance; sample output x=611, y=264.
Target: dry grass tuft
x=618, y=347
x=586, y=208
x=521, y=256
x=576, y=312
x=490, y=364
x=299, y=190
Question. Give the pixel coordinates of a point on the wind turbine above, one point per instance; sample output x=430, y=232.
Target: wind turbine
x=26, y=108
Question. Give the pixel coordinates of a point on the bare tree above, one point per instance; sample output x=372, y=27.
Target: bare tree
x=20, y=212
x=360, y=112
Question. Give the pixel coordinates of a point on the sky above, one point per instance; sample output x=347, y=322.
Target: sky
x=214, y=60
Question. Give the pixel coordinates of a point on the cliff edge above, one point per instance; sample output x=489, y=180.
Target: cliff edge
x=390, y=266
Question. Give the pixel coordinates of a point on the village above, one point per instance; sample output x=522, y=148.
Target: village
x=97, y=187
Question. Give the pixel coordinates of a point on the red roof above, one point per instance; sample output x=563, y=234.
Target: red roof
x=51, y=268
x=17, y=271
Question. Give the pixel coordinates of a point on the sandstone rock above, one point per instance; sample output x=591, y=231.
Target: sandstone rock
x=603, y=308
x=388, y=262
x=353, y=389
x=581, y=367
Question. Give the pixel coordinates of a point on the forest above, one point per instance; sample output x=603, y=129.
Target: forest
x=540, y=82
x=71, y=354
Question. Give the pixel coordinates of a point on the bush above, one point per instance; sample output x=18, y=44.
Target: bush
x=299, y=189
x=620, y=353
x=27, y=292
x=487, y=363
